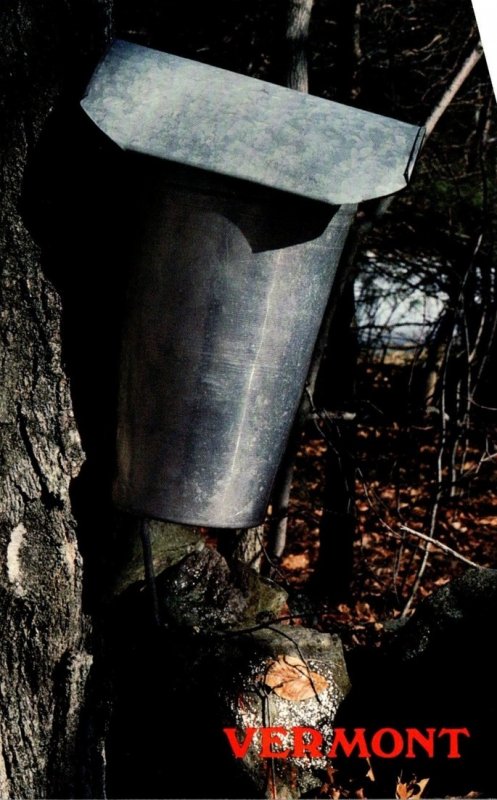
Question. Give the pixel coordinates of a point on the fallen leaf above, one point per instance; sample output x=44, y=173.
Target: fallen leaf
x=412, y=790
x=422, y=784
x=296, y=561
x=291, y=679
x=491, y=521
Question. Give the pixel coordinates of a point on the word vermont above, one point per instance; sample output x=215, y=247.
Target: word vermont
x=358, y=742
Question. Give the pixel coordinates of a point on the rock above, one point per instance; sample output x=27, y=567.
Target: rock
x=202, y=592
x=169, y=542
x=264, y=598
x=199, y=592
x=194, y=672
x=467, y=600
x=223, y=666
x=437, y=670
x=285, y=677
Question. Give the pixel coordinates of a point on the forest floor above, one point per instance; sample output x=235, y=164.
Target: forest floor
x=403, y=478
x=397, y=479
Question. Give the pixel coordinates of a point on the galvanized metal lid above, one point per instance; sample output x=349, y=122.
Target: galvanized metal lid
x=183, y=111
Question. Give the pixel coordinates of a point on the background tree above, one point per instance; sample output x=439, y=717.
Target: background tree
x=431, y=42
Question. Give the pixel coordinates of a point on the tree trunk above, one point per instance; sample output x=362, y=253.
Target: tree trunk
x=44, y=660
x=297, y=78
x=297, y=33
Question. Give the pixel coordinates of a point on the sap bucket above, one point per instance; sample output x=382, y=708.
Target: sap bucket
x=247, y=193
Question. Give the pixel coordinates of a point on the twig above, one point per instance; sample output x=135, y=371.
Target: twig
x=265, y=625
x=441, y=546
x=148, y=561
x=266, y=720
x=430, y=540
x=272, y=565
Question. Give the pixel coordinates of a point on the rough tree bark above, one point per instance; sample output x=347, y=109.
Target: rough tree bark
x=44, y=656
x=297, y=33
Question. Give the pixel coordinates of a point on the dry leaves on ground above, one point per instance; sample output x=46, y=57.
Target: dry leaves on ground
x=291, y=679
x=412, y=790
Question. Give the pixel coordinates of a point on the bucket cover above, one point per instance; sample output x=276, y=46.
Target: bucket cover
x=173, y=108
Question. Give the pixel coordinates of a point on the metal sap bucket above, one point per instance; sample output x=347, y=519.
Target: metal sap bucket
x=239, y=246
x=226, y=303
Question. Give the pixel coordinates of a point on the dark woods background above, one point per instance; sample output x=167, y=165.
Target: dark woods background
x=396, y=434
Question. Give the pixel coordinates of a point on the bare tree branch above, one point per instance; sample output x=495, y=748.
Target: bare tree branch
x=451, y=91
